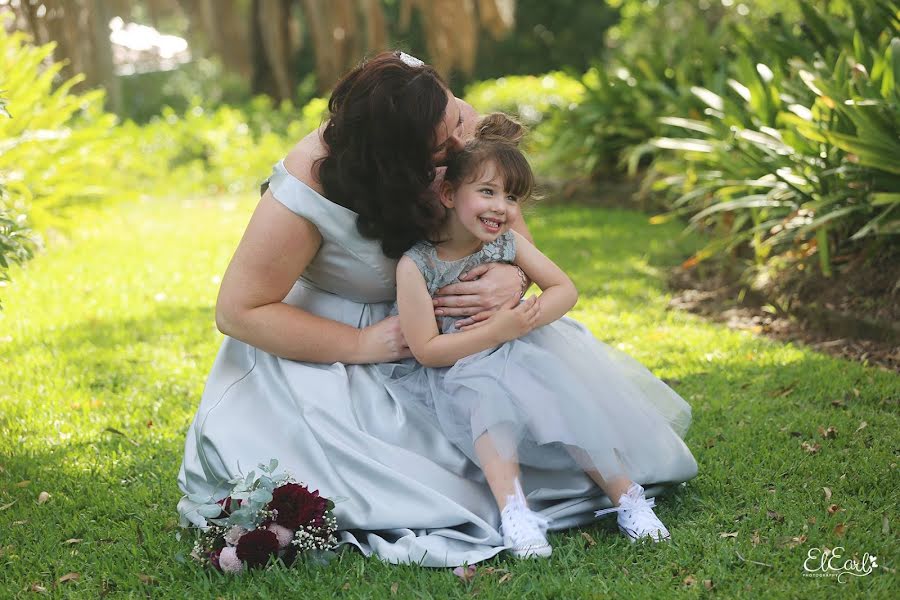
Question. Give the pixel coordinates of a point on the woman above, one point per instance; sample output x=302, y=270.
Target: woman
x=303, y=305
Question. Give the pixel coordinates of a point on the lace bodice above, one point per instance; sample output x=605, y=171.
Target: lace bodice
x=439, y=273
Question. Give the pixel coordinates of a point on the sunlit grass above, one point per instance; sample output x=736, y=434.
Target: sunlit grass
x=105, y=342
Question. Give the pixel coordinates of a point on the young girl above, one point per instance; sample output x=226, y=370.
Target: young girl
x=527, y=386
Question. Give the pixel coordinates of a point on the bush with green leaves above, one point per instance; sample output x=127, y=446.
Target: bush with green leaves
x=16, y=243
x=799, y=153
x=61, y=149
x=538, y=101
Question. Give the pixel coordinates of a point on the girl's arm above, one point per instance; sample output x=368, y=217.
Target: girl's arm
x=558, y=293
x=426, y=342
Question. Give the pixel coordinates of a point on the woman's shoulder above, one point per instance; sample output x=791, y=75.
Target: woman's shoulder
x=300, y=162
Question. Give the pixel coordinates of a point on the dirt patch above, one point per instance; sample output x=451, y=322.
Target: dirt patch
x=855, y=314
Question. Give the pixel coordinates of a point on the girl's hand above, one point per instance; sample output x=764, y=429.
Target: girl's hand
x=513, y=320
x=383, y=342
x=479, y=293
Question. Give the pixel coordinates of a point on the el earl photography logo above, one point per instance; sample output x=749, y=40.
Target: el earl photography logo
x=822, y=562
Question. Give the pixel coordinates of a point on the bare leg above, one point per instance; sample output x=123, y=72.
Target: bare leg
x=501, y=472
x=614, y=487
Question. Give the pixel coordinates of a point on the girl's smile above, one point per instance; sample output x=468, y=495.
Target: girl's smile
x=482, y=208
x=492, y=225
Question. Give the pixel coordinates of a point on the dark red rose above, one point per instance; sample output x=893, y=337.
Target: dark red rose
x=255, y=547
x=214, y=559
x=297, y=506
x=228, y=505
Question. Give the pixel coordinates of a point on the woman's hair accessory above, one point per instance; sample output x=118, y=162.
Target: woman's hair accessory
x=410, y=60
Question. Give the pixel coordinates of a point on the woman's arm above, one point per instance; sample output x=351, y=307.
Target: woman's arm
x=276, y=248
x=426, y=342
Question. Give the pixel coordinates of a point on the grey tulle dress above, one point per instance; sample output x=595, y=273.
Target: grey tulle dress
x=412, y=496
x=554, y=399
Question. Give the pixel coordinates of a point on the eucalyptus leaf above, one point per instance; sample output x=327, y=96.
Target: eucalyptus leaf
x=209, y=510
x=261, y=495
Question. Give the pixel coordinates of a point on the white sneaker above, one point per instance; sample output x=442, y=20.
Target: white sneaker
x=524, y=531
x=636, y=517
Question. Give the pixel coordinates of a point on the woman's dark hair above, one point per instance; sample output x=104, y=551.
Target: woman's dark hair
x=496, y=140
x=380, y=139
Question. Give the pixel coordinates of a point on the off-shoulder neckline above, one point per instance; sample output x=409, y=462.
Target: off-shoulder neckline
x=305, y=185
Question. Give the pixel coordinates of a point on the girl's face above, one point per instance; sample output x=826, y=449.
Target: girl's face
x=483, y=206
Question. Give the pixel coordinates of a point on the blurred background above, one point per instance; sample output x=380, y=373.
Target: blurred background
x=771, y=127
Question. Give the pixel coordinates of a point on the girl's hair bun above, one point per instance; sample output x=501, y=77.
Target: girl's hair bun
x=500, y=127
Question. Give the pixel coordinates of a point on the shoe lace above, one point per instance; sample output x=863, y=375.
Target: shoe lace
x=635, y=503
x=522, y=521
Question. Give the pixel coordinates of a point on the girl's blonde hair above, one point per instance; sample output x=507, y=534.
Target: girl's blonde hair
x=497, y=138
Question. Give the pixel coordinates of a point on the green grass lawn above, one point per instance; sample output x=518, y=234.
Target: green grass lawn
x=105, y=341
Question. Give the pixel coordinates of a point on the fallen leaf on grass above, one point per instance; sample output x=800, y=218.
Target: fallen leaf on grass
x=840, y=529
x=71, y=541
x=793, y=542
x=811, y=448
x=69, y=577
x=885, y=525
x=862, y=426
x=728, y=535
x=5, y=506
x=783, y=391
x=23, y=522
x=505, y=578
x=708, y=584
x=828, y=434
x=827, y=493
x=837, y=403
x=776, y=516
x=117, y=432
x=24, y=483
x=394, y=587
x=690, y=580
x=587, y=538
x=755, y=538
x=467, y=573
x=43, y=497
x=811, y=520
x=346, y=586
x=147, y=579
x=39, y=589
x=833, y=509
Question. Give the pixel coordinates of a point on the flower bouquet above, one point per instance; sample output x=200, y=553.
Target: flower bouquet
x=263, y=517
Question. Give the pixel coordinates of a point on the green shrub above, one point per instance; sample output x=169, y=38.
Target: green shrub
x=538, y=101
x=16, y=244
x=60, y=148
x=800, y=155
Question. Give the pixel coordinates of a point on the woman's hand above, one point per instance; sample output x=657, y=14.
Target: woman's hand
x=479, y=293
x=382, y=342
x=512, y=320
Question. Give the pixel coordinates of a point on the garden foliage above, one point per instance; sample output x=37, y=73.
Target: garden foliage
x=780, y=133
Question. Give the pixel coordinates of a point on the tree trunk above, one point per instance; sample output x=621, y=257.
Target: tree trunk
x=376, y=27
x=275, y=35
x=103, y=60
x=231, y=41
x=318, y=19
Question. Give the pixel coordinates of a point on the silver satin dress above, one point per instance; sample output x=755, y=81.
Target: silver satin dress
x=411, y=496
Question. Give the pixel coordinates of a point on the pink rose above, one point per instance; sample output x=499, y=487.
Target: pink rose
x=283, y=534
x=229, y=561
